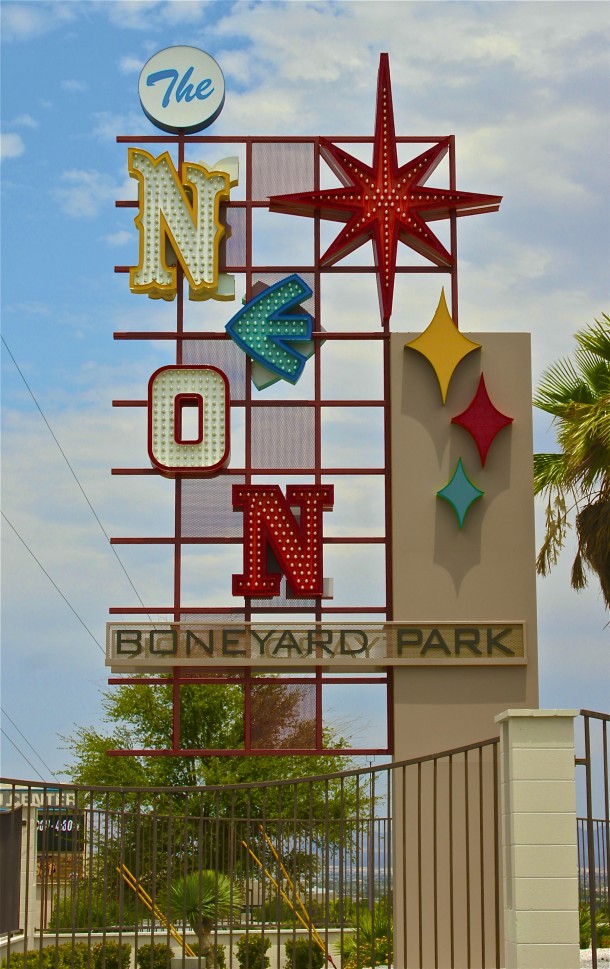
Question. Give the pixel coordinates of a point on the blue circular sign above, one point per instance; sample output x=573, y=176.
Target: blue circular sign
x=181, y=89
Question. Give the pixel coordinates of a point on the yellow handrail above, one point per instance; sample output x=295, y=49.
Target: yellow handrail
x=306, y=924
x=143, y=895
x=292, y=887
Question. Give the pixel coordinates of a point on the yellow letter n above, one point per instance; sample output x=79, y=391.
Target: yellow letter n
x=179, y=222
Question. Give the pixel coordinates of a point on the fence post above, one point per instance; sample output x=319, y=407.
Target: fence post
x=28, y=901
x=540, y=866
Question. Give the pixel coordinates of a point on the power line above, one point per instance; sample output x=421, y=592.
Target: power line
x=22, y=754
x=54, y=584
x=73, y=473
x=10, y=719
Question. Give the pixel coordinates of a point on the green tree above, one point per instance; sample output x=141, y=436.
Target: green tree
x=140, y=717
x=235, y=821
x=576, y=480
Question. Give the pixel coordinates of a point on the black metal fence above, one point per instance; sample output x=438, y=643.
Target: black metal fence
x=304, y=873
x=594, y=834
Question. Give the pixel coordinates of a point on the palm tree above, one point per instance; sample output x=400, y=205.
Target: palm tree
x=201, y=899
x=576, y=481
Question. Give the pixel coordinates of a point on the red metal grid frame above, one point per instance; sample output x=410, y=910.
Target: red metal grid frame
x=380, y=333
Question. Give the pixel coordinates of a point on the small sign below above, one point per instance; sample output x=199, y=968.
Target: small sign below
x=181, y=89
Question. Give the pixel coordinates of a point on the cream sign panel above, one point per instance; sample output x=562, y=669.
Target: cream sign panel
x=131, y=647
x=181, y=88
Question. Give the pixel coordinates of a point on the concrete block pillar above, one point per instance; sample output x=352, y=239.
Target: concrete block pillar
x=539, y=849
x=28, y=893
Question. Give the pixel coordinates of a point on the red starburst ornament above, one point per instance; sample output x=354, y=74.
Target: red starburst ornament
x=385, y=202
x=482, y=420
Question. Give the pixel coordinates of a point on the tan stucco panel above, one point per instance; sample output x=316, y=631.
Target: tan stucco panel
x=484, y=572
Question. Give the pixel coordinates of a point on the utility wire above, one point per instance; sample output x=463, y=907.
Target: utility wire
x=54, y=584
x=23, y=755
x=73, y=473
x=10, y=719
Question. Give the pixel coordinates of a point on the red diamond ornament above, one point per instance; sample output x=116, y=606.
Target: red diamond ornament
x=385, y=202
x=482, y=420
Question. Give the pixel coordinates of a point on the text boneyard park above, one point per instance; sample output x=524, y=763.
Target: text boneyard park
x=371, y=643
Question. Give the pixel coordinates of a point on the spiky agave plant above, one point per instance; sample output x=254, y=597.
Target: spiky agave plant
x=201, y=899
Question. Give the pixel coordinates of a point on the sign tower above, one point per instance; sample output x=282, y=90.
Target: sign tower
x=352, y=503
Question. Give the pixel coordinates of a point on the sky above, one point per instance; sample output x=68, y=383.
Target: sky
x=524, y=88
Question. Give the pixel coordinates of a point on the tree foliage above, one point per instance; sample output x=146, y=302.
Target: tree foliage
x=234, y=820
x=576, y=480
x=140, y=717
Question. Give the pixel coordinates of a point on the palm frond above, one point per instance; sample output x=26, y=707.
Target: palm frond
x=549, y=472
x=202, y=897
x=556, y=527
x=559, y=387
x=577, y=393
x=596, y=337
x=594, y=372
x=578, y=575
x=593, y=528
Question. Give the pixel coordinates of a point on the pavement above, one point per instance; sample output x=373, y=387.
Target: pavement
x=603, y=958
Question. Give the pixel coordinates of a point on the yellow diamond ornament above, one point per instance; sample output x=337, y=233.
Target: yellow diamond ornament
x=443, y=345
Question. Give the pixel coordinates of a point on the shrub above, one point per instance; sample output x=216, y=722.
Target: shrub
x=303, y=954
x=111, y=955
x=372, y=940
x=602, y=934
x=19, y=961
x=66, y=956
x=251, y=952
x=154, y=956
x=80, y=910
x=584, y=920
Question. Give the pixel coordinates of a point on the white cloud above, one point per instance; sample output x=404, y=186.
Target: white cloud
x=130, y=64
x=11, y=145
x=24, y=121
x=183, y=12
x=120, y=238
x=153, y=15
x=85, y=192
x=74, y=86
x=134, y=16
x=29, y=308
x=24, y=21
x=107, y=124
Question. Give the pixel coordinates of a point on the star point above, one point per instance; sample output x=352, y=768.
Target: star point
x=460, y=493
x=482, y=420
x=385, y=202
x=443, y=346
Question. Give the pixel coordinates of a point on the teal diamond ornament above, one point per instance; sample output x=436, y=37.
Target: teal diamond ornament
x=460, y=492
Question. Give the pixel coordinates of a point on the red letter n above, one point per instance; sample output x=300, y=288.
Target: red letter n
x=295, y=541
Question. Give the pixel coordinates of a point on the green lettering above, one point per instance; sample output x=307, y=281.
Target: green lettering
x=353, y=633
x=435, y=641
x=495, y=641
x=408, y=637
x=287, y=641
x=261, y=640
x=469, y=639
x=125, y=637
x=163, y=634
x=206, y=647
x=229, y=639
x=319, y=638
